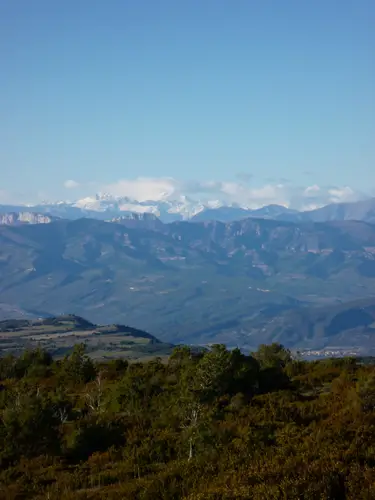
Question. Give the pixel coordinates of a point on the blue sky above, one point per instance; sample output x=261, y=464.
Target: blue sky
x=102, y=92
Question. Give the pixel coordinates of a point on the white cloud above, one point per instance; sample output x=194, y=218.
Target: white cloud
x=311, y=190
x=211, y=192
x=144, y=188
x=231, y=192
x=318, y=196
x=342, y=194
x=70, y=184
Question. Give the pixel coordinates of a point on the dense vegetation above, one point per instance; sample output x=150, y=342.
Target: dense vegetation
x=208, y=425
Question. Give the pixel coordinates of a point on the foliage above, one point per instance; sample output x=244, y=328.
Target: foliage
x=77, y=367
x=206, y=424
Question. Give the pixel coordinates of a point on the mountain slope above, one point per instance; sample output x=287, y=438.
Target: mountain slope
x=184, y=281
x=360, y=210
x=349, y=324
x=230, y=214
x=339, y=326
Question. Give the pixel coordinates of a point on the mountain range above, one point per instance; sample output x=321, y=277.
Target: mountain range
x=106, y=206
x=193, y=282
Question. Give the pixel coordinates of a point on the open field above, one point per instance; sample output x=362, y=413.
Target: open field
x=59, y=335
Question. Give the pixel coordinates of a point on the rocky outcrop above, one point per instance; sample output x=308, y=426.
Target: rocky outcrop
x=19, y=218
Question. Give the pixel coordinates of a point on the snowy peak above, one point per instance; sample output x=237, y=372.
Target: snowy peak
x=105, y=206
x=181, y=208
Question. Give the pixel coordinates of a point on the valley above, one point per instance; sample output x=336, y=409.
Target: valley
x=200, y=283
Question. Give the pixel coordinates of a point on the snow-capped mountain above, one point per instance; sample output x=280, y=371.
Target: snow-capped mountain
x=182, y=208
x=105, y=206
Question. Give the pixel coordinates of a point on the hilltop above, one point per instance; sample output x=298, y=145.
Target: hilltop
x=59, y=334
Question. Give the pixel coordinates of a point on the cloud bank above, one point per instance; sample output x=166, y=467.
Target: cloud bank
x=236, y=192
x=242, y=191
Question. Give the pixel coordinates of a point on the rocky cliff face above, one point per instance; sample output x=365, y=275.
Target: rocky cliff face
x=140, y=221
x=19, y=218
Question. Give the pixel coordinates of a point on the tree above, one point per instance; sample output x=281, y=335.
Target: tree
x=93, y=434
x=221, y=371
x=273, y=356
x=95, y=395
x=78, y=367
x=366, y=393
x=29, y=427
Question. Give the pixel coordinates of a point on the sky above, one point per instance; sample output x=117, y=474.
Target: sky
x=248, y=98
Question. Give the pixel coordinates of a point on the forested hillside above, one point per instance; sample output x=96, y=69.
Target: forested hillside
x=209, y=425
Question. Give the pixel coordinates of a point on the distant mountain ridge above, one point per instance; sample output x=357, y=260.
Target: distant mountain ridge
x=229, y=214
x=105, y=207
x=361, y=210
